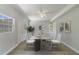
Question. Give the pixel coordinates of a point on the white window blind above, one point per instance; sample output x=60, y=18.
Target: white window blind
x=7, y=24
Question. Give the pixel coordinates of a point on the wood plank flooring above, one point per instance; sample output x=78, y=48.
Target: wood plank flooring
x=60, y=50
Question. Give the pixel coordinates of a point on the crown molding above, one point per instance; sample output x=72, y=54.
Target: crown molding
x=63, y=11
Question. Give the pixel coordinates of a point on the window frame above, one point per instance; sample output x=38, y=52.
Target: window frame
x=13, y=24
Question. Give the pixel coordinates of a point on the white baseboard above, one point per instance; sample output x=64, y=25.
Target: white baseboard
x=12, y=48
x=77, y=51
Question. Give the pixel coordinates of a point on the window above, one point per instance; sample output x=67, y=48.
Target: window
x=52, y=26
x=6, y=24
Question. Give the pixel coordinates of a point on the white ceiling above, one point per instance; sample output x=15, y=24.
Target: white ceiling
x=41, y=11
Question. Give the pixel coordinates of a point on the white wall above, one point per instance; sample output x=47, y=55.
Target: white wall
x=71, y=38
x=8, y=40
x=46, y=32
x=43, y=23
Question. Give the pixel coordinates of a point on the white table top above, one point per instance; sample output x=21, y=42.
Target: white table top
x=36, y=38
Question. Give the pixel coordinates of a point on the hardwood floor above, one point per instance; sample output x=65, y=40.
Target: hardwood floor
x=60, y=50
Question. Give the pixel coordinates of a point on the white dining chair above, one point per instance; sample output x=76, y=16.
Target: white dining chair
x=57, y=40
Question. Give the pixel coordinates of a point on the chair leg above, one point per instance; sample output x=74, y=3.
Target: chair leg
x=55, y=45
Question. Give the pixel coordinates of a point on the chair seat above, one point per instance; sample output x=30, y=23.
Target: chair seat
x=55, y=41
x=30, y=41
